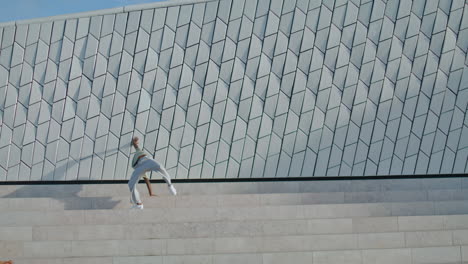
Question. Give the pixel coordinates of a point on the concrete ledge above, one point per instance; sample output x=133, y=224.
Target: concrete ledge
x=196, y=214
x=445, y=253
x=238, y=229
x=116, y=10
x=361, y=256
x=165, y=200
x=438, y=189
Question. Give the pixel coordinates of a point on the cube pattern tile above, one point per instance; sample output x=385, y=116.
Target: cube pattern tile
x=235, y=88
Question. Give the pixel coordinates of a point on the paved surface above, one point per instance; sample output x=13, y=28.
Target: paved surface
x=365, y=222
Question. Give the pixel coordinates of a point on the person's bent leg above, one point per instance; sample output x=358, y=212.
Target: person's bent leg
x=151, y=164
x=154, y=166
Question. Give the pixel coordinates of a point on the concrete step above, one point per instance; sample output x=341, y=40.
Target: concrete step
x=163, y=215
x=352, y=257
x=230, y=245
x=421, y=255
x=442, y=226
x=230, y=200
x=112, y=190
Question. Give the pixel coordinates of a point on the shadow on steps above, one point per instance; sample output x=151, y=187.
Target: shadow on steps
x=66, y=194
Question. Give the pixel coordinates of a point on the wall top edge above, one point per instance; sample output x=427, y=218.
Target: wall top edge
x=234, y=180
x=115, y=10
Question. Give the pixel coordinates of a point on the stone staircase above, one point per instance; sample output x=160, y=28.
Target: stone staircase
x=360, y=221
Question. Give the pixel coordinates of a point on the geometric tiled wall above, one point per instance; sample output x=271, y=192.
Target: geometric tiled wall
x=238, y=88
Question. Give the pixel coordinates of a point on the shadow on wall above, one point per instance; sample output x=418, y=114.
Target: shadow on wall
x=59, y=173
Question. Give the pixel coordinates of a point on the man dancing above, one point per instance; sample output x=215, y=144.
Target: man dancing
x=141, y=164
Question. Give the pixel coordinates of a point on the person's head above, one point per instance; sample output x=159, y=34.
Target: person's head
x=135, y=140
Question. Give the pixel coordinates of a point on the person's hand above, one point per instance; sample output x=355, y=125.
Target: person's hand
x=135, y=141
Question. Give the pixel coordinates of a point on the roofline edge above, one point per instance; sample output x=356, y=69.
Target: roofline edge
x=108, y=11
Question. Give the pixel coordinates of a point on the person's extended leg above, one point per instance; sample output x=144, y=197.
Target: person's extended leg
x=150, y=164
x=132, y=185
x=167, y=178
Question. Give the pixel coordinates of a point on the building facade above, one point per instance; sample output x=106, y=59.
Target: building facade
x=238, y=89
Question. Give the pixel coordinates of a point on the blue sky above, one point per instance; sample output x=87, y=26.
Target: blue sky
x=26, y=9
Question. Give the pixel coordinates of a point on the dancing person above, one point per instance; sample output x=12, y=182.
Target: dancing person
x=141, y=164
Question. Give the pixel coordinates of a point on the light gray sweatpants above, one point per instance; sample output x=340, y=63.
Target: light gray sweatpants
x=144, y=164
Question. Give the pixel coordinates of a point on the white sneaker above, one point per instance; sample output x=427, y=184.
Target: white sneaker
x=137, y=206
x=172, y=189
